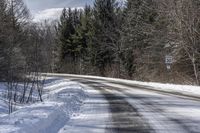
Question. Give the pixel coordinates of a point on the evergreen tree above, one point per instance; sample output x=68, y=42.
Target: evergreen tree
x=138, y=29
x=69, y=22
x=104, y=23
x=83, y=39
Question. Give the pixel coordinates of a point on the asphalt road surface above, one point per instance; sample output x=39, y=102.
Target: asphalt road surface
x=117, y=108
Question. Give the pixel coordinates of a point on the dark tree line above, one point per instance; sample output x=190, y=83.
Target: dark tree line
x=89, y=38
x=131, y=40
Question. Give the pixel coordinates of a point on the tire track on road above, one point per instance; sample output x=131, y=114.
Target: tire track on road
x=125, y=118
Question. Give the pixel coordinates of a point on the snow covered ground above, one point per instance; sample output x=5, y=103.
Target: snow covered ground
x=62, y=98
x=73, y=107
x=3, y=105
x=189, y=90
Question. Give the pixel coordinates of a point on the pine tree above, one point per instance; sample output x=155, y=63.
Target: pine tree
x=69, y=38
x=104, y=14
x=138, y=29
x=83, y=39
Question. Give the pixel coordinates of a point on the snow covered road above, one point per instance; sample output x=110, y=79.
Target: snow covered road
x=115, y=108
x=74, y=104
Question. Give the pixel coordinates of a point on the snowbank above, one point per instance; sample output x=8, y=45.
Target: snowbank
x=179, y=89
x=62, y=99
x=3, y=105
x=186, y=90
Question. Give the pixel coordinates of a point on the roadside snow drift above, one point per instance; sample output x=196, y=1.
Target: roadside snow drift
x=62, y=99
x=187, y=90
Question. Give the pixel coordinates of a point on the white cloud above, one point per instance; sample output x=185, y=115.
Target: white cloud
x=49, y=14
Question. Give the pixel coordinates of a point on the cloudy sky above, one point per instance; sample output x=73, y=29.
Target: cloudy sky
x=49, y=9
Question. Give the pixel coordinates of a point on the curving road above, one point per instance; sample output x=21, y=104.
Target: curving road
x=117, y=108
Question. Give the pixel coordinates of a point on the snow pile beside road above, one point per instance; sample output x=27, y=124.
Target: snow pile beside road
x=184, y=89
x=62, y=99
x=43, y=117
x=188, y=90
x=3, y=105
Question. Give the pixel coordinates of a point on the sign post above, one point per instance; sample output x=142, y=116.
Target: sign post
x=168, y=61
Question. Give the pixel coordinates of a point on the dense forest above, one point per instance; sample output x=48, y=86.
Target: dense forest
x=131, y=40
x=124, y=40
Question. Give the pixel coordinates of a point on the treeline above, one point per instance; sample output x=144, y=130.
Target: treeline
x=89, y=38
x=131, y=40
x=26, y=50
x=124, y=40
